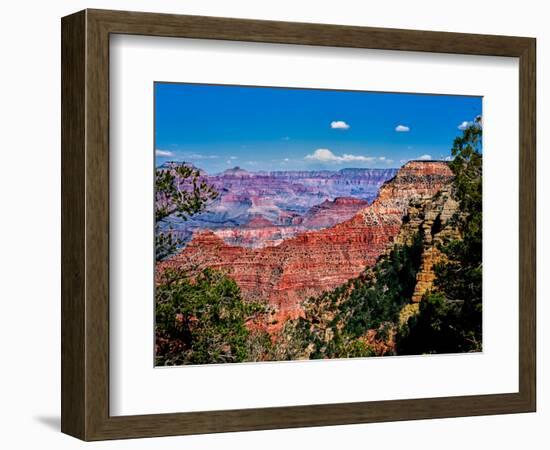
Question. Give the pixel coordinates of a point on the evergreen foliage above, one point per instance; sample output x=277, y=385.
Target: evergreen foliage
x=202, y=320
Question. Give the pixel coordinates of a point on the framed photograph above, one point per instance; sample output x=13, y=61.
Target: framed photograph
x=272, y=225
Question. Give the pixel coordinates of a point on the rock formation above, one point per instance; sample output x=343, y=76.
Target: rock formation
x=283, y=198
x=260, y=232
x=330, y=213
x=430, y=217
x=311, y=262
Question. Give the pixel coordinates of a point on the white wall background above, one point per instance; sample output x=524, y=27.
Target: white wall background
x=30, y=225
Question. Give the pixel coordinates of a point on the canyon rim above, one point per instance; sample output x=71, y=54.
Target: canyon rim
x=296, y=224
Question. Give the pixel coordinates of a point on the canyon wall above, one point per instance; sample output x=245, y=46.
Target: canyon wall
x=311, y=262
x=284, y=199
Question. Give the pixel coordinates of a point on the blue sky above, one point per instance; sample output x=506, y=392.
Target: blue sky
x=218, y=127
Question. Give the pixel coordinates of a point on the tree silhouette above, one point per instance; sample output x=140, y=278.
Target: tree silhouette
x=180, y=191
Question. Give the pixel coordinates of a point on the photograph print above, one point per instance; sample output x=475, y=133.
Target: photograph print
x=298, y=224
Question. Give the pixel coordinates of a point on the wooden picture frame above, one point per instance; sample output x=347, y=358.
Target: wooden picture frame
x=85, y=224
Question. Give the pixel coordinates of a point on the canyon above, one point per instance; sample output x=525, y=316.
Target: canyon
x=327, y=243
x=258, y=209
x=260, y=232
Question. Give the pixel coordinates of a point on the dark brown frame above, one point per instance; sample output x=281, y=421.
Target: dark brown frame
x=85, y=224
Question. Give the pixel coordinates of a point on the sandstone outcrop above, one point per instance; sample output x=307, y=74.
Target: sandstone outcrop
x=430, y=217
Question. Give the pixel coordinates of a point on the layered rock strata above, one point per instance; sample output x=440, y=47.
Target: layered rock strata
x=283, y=198
x=315, y=261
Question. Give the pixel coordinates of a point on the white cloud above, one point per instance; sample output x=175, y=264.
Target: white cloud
x=402, y=129
x=163, y=153
x=339, y=125
x=233, y=157
x=464, y=125
x=448, y=158
x=326, y=156
x=424, y=157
